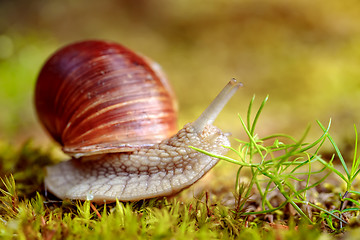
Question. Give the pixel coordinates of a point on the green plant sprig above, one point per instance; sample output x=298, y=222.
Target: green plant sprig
x=349, y=176
x=278, y=167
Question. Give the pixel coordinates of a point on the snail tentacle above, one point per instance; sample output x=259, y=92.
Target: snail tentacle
x=212, y=111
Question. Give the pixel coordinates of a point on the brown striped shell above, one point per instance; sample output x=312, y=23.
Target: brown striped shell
x=95, y=97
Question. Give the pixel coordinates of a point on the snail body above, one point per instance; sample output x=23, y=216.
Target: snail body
x=110, y=168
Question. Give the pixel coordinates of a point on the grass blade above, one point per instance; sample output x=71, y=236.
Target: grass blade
x=337, y=152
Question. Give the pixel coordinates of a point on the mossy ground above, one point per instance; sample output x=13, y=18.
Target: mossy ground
x=29, y=212
x=304, y=54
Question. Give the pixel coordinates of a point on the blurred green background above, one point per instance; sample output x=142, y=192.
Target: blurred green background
x=304, y=54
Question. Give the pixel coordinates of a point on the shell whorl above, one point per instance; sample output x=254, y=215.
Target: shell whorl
x=96, y=97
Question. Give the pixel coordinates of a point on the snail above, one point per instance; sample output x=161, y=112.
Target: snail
x=114, y=113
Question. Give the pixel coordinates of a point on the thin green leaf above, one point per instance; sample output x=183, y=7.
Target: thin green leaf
x=337, y=151
x=355, y=192
x=352, y=200
x=228, y=159
x=252, y=130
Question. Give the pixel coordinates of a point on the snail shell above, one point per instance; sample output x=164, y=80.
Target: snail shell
x=96, y=97
x=82, y=98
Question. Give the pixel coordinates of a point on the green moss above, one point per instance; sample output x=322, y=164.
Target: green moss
x=28, y=213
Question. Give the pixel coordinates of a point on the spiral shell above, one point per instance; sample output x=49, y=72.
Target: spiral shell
x=95, y=97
